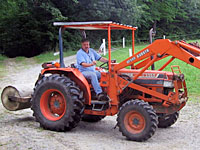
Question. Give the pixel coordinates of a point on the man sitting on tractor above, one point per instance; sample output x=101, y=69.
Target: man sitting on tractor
x=86, y=60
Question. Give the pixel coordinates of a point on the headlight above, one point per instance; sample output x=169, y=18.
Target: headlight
x=168, y=84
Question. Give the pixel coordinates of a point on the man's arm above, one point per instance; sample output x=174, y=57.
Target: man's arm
x=103, y=59
x=88, y=65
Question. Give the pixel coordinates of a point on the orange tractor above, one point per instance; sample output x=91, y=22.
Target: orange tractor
x=142, y=99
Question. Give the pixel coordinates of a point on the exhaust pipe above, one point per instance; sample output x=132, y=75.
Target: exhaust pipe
x=14, y=99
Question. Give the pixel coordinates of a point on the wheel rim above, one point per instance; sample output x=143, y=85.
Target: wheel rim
x=134, y=122
x=53, y=104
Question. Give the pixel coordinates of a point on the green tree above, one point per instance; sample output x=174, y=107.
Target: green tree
x=164, y=12
x=26, y=26
x=27, y=30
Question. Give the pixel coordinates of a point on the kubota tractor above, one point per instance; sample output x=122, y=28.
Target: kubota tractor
x=142, y=99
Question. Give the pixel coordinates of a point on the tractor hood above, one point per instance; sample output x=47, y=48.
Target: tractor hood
x=150, y=77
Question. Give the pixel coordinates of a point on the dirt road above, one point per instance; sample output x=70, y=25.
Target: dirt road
x=18, y=130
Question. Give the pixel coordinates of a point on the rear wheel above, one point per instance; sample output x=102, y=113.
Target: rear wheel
x=167, y=120
x=57, y=103
x=92, y=118
x=137, y=120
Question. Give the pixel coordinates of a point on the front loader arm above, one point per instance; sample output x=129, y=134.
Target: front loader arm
x=185, y=53
x=161, y=49
x=157, y=47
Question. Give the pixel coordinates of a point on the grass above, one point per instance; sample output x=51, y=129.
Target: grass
x=2, y=65
x=2, y=59
x=20, y=59
x=192, y=74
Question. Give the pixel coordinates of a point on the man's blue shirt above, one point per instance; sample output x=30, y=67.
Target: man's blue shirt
x=83, y=57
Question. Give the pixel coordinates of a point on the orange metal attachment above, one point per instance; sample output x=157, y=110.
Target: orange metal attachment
x=175, y=68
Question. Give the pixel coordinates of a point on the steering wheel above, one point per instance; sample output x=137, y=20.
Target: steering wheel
x=104, y=66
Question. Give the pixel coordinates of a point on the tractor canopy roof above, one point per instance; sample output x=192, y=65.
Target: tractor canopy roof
x=95, y=25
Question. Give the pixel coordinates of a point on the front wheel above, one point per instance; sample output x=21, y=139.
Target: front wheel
x=137, y=120
x=57, y=103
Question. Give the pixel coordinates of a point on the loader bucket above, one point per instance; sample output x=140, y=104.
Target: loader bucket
x=13, y=99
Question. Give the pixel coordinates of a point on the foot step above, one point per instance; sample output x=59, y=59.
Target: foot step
x=99, y=102
x=99, y=105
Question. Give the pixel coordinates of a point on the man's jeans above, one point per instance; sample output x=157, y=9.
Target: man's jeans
x=93, y=76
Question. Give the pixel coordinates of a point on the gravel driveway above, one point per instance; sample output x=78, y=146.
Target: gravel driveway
x=18, y=130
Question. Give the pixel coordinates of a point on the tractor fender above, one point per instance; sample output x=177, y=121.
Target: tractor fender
x=75, y=75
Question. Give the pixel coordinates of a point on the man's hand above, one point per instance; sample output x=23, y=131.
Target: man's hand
x=94, y=63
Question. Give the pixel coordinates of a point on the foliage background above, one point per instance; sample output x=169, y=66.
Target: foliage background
x=26, y=26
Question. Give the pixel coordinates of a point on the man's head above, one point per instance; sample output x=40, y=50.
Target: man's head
x=85, y=44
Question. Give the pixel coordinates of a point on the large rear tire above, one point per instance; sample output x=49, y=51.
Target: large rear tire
x=57, y=103
x=92, y=118
x=167, y=120
x=137, y=120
